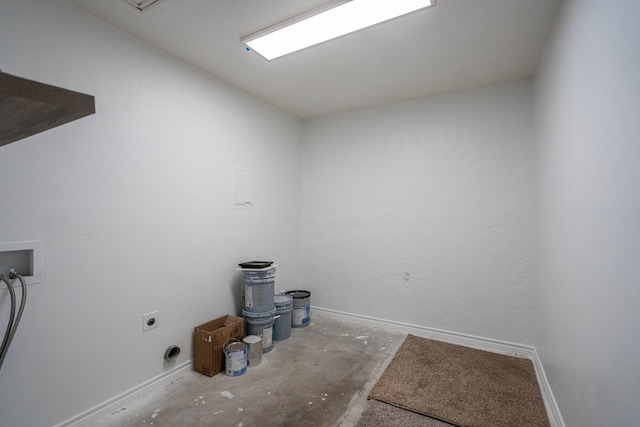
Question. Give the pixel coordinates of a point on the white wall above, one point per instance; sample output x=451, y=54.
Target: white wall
x=587, y=101
x=441, y=189
x=133, y=206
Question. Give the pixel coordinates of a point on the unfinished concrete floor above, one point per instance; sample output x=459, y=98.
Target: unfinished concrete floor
x=320, y=376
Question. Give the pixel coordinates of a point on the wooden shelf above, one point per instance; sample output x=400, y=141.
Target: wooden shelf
x=28, y=107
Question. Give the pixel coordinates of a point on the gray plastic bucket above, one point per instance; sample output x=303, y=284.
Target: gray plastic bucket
x=235, y=358
x=261, y=324
x=261, y=273
x=301, y=315
x=258, y=294
x=254, y=352
x=282, y=326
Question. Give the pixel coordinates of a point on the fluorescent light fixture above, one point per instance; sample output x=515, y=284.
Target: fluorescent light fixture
x=141, y=4
x=327, y=22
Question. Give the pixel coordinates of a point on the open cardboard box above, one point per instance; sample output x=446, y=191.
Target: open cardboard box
x=208, y=340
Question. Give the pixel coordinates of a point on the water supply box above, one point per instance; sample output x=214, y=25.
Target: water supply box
x=208, y=340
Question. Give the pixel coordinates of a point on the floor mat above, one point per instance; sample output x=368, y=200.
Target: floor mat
x=379, y=414
x=462, y=386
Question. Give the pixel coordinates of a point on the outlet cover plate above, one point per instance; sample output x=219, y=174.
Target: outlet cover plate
x=150, y=320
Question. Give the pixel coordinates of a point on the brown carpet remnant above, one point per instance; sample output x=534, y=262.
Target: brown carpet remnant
x=378, y=414
x=462, y=386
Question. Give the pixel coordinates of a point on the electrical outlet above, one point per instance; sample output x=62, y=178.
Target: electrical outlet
x=150, y=320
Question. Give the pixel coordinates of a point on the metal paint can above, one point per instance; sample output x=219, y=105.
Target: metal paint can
x=254, y=353
x=236, y=358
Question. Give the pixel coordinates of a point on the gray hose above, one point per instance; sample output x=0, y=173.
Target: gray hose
x=7, y=334
x=13, y=323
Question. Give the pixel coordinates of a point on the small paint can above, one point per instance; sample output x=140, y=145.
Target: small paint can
x=254, y=352
x=236, y=358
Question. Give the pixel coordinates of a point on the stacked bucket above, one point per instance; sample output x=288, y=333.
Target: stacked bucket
x=259, y=311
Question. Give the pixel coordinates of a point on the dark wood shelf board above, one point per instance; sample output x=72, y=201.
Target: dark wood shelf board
x=28, y=107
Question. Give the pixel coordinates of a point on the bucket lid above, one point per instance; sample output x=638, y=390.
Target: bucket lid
x=299, y=294
x=256, y=264
x=252, y=339
x=282, y=299
x=260, y=315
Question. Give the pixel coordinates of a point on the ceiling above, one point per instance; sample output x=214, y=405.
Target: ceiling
x=457, y=45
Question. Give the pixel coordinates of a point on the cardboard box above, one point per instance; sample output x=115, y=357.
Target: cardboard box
x=208, y=340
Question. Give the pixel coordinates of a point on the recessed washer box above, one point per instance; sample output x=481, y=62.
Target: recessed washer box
x=23, y=257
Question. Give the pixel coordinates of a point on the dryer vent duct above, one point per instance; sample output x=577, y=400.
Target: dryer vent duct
x=141, y=4
x=172, y=353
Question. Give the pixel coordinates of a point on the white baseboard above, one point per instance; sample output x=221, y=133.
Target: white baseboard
x=480, y=343
x=547, y=394
x=108, y=407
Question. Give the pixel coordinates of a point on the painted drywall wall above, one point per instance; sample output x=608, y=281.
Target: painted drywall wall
x=133, y=206
x=587, y=105
x=422, y=212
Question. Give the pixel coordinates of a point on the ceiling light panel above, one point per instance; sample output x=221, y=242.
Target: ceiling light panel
x=327, y=22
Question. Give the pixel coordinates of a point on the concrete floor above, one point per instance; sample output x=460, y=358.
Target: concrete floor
x=320, y=376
